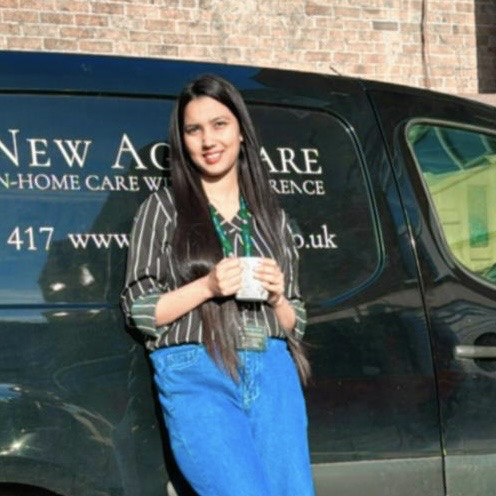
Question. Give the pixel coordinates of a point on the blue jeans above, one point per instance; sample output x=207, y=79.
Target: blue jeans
x=246, y=439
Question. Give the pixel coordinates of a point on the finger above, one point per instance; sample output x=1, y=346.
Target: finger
x=262, y=270
x=265, y=278
x=268, y=261
x=230, y=287
x=230, y=261
x=269, y=265
x=268, y=273
x=232, y=276
x=272, y=285
x=227, y=266
x=231, y=273
x=232, y=264
x=231, y=280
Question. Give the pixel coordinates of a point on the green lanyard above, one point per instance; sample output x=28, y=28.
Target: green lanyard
x=227, y=246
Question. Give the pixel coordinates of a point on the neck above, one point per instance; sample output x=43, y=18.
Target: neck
x=221, y=190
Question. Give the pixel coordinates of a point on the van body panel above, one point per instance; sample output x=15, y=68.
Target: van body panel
x=76, y=403
x=88, y=135
x=460, y=303
x=409, y=476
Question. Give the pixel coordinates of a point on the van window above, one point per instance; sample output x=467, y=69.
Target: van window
x=316, y=169
x=73, y=171
x=459, y=169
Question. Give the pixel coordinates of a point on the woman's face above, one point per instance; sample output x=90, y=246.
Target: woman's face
x=212, y=136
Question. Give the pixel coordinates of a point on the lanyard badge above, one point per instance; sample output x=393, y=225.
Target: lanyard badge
x=227, y=246
x=252, y=337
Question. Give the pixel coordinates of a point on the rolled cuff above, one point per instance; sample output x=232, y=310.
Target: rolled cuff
x=301, y=317
x=143, y=315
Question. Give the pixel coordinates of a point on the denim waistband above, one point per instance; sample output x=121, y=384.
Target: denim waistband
x=272, y=343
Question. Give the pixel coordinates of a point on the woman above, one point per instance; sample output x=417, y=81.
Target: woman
x=232, y=403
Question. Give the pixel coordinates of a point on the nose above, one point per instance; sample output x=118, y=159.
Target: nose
x=207, y=139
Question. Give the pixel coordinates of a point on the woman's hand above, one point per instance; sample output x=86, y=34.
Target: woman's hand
x=272, y=279
x=225, y=277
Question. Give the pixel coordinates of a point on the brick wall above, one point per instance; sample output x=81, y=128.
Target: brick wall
x=426, y=43
x=485, y=16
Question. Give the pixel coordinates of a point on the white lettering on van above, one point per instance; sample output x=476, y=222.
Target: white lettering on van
x=29, y=238
x=153, y=154
x=5, y=180
x=299, y=240
x=34, y=145
x=98, y=240
x=154, y=183
x=309, y=160
x=264, y=156
x=122, y=240
x=111, y=183
x=305, y=162
x=325, y=240
x=66, y=182
x=78, y=240
x=287, y=156
x=101, y=240
x=126, y=146
x=308, y=187
x=73, y=153
x=13, y=154
x=329, y=238
x=38, y=149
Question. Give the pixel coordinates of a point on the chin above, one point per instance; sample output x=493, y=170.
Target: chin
x=213, y=171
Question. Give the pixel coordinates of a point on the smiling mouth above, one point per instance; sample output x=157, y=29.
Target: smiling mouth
x=212, y=157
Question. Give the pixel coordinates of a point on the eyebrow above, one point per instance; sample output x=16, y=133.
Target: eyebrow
x=222, y=116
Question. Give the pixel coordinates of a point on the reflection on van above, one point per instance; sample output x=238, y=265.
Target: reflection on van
x=459, y=168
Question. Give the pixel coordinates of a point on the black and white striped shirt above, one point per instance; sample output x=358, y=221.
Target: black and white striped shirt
x=151, y=272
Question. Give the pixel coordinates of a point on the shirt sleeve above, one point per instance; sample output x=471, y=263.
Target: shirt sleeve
x=292, y=288
x=146, y=265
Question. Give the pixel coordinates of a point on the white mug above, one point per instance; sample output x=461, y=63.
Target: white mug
x=251, y=288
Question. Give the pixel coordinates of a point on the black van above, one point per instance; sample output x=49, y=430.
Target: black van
x=394, y=192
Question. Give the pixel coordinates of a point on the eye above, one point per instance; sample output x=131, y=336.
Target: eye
x=191, y=129
x=220, y=123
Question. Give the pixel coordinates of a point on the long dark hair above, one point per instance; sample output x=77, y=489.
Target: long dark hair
x=195, y=244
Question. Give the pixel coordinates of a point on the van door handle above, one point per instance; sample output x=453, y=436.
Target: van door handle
x=468, y=351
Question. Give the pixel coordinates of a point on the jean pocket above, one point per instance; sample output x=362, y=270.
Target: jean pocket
x=182, y=359
x=176, y=357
